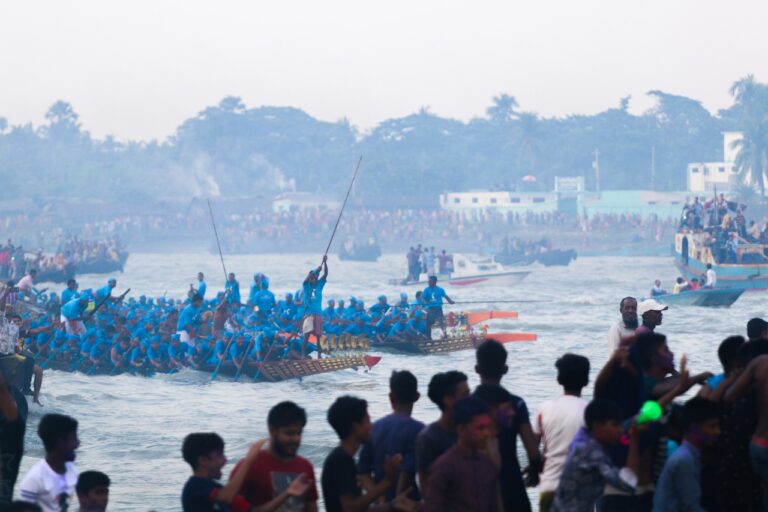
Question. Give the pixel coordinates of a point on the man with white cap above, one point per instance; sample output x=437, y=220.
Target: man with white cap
x=650, y=312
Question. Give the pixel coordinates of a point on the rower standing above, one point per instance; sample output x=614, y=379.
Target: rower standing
x=312, y=300
x=433, y=296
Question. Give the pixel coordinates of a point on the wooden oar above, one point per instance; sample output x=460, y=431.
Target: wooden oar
x=215, y=373
x=242, y=361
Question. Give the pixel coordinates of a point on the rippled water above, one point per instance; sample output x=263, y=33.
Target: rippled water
x=132, y=427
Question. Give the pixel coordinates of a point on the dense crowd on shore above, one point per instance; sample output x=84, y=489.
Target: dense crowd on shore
x=708, y=453
x=242, y=231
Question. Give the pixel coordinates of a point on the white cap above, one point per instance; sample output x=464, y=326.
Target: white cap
x=650, y=305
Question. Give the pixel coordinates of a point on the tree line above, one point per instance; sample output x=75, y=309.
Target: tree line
x=235, y=151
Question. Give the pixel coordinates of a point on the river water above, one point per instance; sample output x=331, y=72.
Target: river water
x=132, y=427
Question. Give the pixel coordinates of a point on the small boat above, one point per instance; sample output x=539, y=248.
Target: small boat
x=708, y=298
x=472, y=271
x=91, y=266
x=359, y=252
x=103, y=265
x=555, y=257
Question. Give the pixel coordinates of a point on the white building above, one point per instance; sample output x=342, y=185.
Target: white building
x=723, y=176
x=519, y=202
x=293, y=201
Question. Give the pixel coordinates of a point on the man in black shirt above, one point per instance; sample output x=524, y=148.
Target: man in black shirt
x=13, y=425
x=348, y=416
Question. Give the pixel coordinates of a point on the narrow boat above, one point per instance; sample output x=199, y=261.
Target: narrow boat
x=470, y=271
x=91, y=266
x=454, y=343
x=556, y=257
x=270, y=371
x=748, y=271
x=708, y=298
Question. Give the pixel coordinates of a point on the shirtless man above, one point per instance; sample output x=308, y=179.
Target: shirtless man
x=755, y=374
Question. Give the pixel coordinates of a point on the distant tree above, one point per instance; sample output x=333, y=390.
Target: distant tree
x=3, y=124
x=751, y=99
x=503, y=109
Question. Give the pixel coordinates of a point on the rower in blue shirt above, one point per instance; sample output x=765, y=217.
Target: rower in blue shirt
x=380, y=308
x=417, y=326
x=312, y=302
x=201, y=286
x=329, y=313
x=70, y=292
x=265, y=300
x=233, y=287
x=188, y=318
x=72, y=314
x=433, y=296
x=399, y=330
x=157, y=354
x=138, y=359
x=106, y=291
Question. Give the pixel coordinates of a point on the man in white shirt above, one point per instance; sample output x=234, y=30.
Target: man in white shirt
x=711, y=277
x=558, y=421
x=50, y=482
x=624, y=327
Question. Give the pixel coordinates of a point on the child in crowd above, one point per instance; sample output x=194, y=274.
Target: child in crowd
x=51, y=481
x=392, y=434
x=588, y=467
x=92, y=491
x=348, y=416
x=679, y=486
x=464, y=477
x=204, y=452
x=558, y=421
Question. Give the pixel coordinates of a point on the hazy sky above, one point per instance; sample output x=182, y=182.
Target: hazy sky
x=137, y=68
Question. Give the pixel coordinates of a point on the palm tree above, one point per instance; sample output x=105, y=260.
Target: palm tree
x=503, y=108
x=752, y=158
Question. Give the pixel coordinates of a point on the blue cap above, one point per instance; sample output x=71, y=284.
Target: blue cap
x=382, y=297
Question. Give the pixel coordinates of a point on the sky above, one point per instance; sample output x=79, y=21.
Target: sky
x=137, y=69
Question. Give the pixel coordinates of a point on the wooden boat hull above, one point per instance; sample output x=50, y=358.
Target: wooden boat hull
x=553, y=258
x=717, y=298
x=692, y=257
x=450, y=344
x=272, y=371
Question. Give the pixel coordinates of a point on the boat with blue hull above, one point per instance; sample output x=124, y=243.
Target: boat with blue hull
x=708, y=298
x=746, y=268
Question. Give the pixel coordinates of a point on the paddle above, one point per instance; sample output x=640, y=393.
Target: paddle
x=215, y=373
x=266, y=358
x=245, y=356
x=102, y=301
x=343, y=205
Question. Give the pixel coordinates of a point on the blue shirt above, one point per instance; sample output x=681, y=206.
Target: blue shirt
x=265, y=300
x=253, y=293
x=679, y=486
x=433, y=297
x=73, y=310
x=312, y=297
x=187, y=317
x=67, y=295
x=201, y=287
x=234, y=291
x=104, y=291
x=398, y=329
x=137, y=355
x=392, y=434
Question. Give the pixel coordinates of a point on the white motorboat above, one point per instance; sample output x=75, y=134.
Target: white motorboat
x=470, y=271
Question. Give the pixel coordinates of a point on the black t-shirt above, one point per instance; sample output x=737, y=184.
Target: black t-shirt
x=199, y=495
x=339, y=478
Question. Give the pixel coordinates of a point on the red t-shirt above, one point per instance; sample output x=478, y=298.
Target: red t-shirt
x=268, y=477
